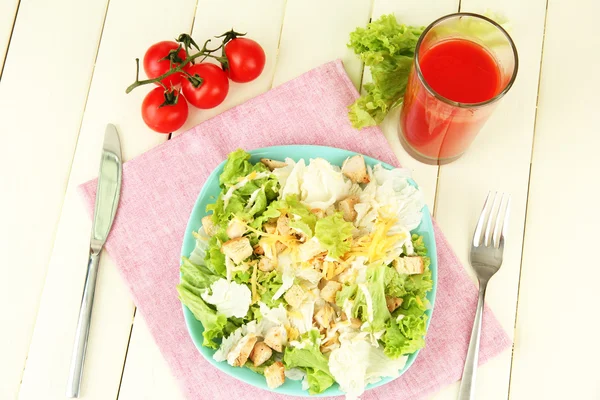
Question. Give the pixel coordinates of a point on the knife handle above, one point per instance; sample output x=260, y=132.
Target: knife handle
x=83, y=326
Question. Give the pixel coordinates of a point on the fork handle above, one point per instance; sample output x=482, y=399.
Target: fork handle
x=467, y=384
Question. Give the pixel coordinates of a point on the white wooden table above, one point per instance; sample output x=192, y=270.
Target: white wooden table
x=65, y=65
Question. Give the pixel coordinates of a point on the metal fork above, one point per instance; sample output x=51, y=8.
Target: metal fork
x=486, y=258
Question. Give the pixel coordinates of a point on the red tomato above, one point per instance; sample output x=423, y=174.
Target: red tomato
x=213, y=89
x=164, y=118
x=154, y=65
x=246, y=59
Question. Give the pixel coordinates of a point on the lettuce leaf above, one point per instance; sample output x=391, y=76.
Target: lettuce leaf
x=388, y=49
x=197, y=276
x=312, y=361
x=334, y=233
x=214, y=323
x=376, y=288
x=405, y=336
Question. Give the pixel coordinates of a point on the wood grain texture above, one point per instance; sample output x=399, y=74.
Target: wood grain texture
x=8, y=13
x=41, y=115
x=123, y=39
x=556, y=337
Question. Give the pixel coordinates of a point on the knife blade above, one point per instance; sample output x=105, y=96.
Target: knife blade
x=107, y=199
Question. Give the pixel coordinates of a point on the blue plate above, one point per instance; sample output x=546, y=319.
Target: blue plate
x=208, y=195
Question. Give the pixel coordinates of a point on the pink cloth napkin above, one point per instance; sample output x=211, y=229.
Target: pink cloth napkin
x=159, y=191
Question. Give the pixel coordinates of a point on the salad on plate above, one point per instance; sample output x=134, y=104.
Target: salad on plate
x=308, y=271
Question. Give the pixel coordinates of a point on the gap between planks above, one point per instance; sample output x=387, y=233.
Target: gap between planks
x=512, y=356
x=70, y=167
x=12, y=30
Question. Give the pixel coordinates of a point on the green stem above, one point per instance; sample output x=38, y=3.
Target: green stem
x=203, y=52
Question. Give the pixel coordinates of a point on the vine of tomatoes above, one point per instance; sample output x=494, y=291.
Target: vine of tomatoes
x=172, y=66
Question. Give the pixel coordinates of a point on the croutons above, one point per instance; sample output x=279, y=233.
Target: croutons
x=283, y=225
x=260, y=353
x=409, y=265
x=276, y=337
x=347, y=207
x=236, y=228
x=279, y=247
x=294, y=296
x=275, y=375
x=272, y=164
x=355, y=323
x=247, y=346
x=318, y=212
x=325, y=315
x=355, y=169
x=237, y=249
x=258, y=250
x=309, y=249
x=208, y=225
x=392, y=303
x=270, y=227
x=330, y=290
x=266, y=265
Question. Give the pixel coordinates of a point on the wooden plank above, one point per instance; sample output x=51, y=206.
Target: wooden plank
x=556, y=343
x=260, y=19
x=499, y=159
x=8, y=14
x=131, y=26
x=412, y=12
x=41, y=115
x=314, y=33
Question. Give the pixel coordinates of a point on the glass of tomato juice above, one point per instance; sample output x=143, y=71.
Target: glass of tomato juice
x=464, y=63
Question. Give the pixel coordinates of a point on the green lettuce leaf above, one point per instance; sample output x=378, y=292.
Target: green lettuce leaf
x=312, y=361
x=405, y=336
x=388, y=49
x=215, y=259
x=334, y=233
x=214, y=323
x=376, y=288
x=268, y=284
x=301, y=216
x=197, y=276
x=348, y=292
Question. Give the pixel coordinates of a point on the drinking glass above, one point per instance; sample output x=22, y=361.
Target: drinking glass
x=438, y=130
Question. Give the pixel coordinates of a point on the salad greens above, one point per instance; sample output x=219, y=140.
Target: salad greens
x=388, y=49
x=304, y=271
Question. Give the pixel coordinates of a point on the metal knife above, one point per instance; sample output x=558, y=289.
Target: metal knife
x=107, y=200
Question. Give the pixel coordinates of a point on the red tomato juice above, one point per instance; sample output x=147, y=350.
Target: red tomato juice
x=458, y=70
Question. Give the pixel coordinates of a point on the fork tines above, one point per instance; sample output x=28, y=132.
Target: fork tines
x=493, y=221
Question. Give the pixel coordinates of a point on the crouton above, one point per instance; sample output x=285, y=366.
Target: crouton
x=355, y=323
x=325, y=315
x=208, y=225
x=272, y=164
x=309, y=249
x=260, y=353
x=347, y=207
x=318, y=212
x=330, y=344
x=279, y=247
x=276, y=338
x=283, y=225
x=270, y=227
x=236, y=228
x=237, y=249
x=258, y=250
x=392, y=303
x=330, y=290
x=294, y=296
x=266, y=265
x=409, y=265
x=355, y=169
x=241, y=358
x=275, y=375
